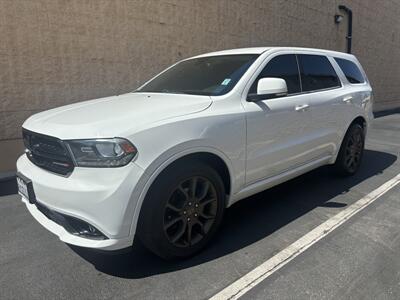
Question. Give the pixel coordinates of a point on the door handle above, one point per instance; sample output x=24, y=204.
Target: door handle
x=302, y=107
x=347, y=99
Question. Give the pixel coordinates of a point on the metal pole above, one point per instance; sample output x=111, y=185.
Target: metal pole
x=349, y=26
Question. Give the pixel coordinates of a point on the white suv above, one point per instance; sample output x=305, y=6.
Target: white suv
x=163, y=162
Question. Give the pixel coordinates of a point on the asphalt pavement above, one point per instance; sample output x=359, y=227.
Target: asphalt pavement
x=358, y=260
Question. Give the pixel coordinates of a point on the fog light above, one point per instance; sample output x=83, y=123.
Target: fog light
x=81, y=228
x=71, y=224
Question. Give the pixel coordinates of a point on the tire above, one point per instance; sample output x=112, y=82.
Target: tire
x=172, y=212
x=351, y=151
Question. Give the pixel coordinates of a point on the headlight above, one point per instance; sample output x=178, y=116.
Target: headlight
x=116, y=152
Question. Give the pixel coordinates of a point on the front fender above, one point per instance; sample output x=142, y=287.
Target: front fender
x=161, y=163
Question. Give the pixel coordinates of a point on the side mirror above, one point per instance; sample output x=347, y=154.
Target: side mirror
x=269, y=88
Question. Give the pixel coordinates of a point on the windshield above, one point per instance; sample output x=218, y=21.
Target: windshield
x=211, y=76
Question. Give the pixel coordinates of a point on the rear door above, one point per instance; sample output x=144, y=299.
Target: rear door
x=325, y=94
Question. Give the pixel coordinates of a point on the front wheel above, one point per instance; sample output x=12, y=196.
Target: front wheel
x=351, y=151
x=182, y=210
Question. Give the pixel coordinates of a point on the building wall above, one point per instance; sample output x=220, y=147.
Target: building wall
x=54, y=52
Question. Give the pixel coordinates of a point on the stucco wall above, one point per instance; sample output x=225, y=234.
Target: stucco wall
x=54, y=52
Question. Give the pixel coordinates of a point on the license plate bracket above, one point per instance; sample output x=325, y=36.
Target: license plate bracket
x=25, y=188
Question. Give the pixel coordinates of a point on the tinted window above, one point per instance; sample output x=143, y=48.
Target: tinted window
x=285, y=67
x=211, y=75
x=317, y=73
x=350, y=70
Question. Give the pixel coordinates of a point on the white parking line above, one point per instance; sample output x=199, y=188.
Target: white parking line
x=254, y=277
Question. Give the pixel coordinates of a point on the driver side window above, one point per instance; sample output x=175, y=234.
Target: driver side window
x=282, y=66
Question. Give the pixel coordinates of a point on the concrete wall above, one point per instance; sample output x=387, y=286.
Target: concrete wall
x=54, y=52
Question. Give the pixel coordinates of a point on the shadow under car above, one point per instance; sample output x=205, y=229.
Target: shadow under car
x=248, y=221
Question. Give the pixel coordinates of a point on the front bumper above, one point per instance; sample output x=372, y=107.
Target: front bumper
x=65, y=236
x=101, y=197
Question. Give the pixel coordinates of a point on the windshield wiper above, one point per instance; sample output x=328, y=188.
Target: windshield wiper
x=185, y=92
x=194, y=92
x=165, y=91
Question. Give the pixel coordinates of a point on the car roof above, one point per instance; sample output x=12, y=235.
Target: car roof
x=260, y=50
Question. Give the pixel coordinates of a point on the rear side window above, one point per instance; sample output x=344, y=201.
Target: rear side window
x=317, y=73
x=350, y=70
x=282, y=66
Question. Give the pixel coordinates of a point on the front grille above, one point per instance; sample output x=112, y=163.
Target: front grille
x=48, y=152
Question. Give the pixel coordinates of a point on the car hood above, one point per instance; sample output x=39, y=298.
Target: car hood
x=114, y=116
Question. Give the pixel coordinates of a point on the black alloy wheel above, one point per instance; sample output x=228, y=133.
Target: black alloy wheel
x=354, y=150
x=190, y=211
x=351, y=151
x=182, y=210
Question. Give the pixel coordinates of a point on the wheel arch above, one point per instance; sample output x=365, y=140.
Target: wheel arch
x=211, y=159
x=211, y=156
x=360, y=120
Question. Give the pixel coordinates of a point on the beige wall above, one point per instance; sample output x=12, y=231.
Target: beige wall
x=54, y=52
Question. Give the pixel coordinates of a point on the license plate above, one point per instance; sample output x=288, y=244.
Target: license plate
x=25, y=188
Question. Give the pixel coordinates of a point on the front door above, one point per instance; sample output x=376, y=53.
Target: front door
x=277, y=129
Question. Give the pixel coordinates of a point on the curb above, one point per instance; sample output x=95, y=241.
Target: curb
x=8, y=184
x=386, y=112
x=7, y=176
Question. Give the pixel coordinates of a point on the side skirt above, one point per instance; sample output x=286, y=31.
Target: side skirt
x=269, y=182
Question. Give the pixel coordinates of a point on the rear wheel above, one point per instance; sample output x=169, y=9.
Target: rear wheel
x=182, y=210
x=351, y=151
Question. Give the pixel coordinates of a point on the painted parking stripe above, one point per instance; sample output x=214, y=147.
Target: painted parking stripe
x=254, y=277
